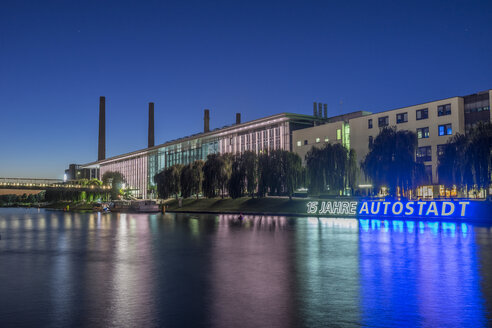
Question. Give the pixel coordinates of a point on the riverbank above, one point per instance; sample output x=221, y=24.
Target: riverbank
x=245, y=205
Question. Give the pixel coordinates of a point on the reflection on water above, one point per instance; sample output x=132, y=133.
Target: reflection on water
x=64, y=269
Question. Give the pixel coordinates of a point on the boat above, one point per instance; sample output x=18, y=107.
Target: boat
x=101, y=207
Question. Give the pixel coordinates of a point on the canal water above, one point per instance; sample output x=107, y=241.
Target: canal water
x=176, y=270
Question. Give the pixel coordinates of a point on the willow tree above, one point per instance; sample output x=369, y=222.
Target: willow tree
x=197, y=177
x=454, y=166
x=211, y=174
x=249, y=161
x=293, y=172
x=263, y=174
x=186, y=180
x=236, y=183
x=352, y=171
x=466, y=161
x=315, y=171
x=391, y=161
x=480, y=154
x=328, y=167
x=168, y=181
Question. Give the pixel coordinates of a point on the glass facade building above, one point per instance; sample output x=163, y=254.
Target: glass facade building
x=265, y=134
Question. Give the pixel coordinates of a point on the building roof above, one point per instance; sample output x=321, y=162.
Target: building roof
x=215, y=132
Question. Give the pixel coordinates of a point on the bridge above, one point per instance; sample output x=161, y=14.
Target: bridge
x=46, y=184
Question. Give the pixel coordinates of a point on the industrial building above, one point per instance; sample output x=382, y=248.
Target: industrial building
x=140, y=167
x=434, y=122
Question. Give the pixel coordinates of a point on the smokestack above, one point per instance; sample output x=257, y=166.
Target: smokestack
x=320, y=114
x=326, y=110
x=238, y=118
x=101, y=150
x=315, y=111
x=151, y=124
x=206, y=121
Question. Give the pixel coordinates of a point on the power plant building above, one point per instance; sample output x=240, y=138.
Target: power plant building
x=264, y=134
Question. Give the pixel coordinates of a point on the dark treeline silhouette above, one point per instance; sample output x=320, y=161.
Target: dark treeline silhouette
x=466, y=160
x=275, y=173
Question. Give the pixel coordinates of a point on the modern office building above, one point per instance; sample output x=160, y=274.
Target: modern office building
x=434, y=123
x=264, y=134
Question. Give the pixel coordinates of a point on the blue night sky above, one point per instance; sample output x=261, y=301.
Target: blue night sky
x=254, y=57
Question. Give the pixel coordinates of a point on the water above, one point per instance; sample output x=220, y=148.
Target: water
x=133, y=270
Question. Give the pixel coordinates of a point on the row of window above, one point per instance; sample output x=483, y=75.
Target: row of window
x=420, y=114
x=443, y=130
x=318, y=140
x=424, y=154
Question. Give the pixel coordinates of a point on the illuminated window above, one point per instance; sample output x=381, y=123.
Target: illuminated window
x=339, y=134
x=423, y=133
x=445, y=130
x=401, y=118
x=369, y=123
x=422, y=114
x=318, y=140
x=299, y=143
x=444, y=110
x=326, y=139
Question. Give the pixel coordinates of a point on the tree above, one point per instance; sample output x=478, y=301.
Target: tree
x=453, y=168
x=263, y=174
x=293, y=172
x=328, y=167
x=466, y=160
x=116, y=180
x=197, y=179
x=315, y=171
x=168, y=181
x=186, y=180
x=480, y=153
x=211, y=172
x=391, y=160
x=352, y=171
x=237, y=179
x=250, y=166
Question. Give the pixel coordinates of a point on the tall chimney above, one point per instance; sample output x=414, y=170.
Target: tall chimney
x=315, y=110
x=238, y=118
x=206, y=121
x=101, y=150
x=151, y=124
x=320, y=113
x=326, y=110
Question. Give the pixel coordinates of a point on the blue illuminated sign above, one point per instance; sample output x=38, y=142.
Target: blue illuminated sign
x=415, y=208
x=401, y=209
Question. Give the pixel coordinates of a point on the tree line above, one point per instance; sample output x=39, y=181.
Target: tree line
x=278, y=172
